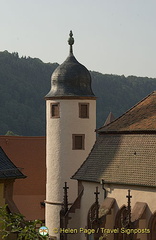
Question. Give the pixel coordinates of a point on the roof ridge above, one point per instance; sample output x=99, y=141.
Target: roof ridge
x=20, y=137
x=105, y=127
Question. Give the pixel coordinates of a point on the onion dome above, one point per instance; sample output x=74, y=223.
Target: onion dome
x=71, y=78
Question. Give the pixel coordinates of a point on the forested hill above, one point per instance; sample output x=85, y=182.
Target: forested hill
x=25, y=81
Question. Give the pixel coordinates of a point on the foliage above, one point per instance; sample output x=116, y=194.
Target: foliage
x=117, y=94
x=14, y=223
x=23, y=84
x=25, y=81
x=10, y=133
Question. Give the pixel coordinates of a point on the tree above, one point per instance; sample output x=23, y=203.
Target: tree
x=15, y=223
x=10, y=133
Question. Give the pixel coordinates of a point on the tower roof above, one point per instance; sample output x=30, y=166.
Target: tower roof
x=71, y=78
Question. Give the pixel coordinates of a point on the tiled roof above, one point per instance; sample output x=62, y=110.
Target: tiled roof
x=7, y=168
x=140, y=117
x=121, y=159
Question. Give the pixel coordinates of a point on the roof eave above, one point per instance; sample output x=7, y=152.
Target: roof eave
x=15, y=177
x=117, y=183
x=126, y=132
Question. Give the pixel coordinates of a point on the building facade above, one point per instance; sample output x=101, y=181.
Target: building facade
x=122, y=164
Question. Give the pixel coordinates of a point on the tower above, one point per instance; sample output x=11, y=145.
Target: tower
x=70, y=126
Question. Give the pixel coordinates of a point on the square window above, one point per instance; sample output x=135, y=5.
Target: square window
x=84, y=110
x=78, y=141
x=55, y=110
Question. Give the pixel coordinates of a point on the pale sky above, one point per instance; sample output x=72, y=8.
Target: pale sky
x=111, y=36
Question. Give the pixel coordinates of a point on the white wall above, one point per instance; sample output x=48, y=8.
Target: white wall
x=139, y=194
x=62, y=161
x=119, y=192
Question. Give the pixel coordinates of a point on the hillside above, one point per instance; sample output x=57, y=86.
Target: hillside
x=25, y=81
x=119, y=93
x=23, y=85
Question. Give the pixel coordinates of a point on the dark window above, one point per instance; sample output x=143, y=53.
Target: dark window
x=84, y=110
x=78, y=141
x=55, y=110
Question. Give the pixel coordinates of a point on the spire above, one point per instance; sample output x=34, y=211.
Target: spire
x=65, y=199
x=97, y=203
x=129, y=206
x=71, y=41
x=71, y=78
x=109, y=119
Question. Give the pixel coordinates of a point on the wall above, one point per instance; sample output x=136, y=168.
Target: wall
x=28, y=153
x=62, y=160
x=119, y=192
x=2, y=199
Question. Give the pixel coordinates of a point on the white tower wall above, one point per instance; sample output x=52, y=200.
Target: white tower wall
x=62, y=160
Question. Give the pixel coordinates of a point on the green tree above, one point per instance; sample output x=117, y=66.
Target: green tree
x=15, y=223
x=10, y=133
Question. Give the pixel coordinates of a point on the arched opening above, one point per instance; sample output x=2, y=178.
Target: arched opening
x=92, y=222
x=119, y=219
x=152, y=227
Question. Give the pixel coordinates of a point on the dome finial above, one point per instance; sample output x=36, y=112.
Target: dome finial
x=71, y=41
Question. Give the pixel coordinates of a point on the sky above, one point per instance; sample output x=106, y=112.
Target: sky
x=111, y=36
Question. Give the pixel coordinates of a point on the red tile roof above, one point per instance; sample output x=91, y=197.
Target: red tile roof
x=141, y=117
